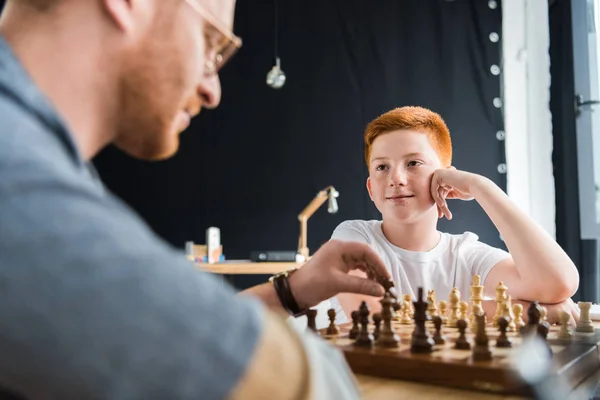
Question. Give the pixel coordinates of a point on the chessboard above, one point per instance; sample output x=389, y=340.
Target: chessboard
x=425, y=350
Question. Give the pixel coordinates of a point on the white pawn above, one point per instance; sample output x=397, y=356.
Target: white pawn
x=454, y=301
x=565, y=331
x=585, y=322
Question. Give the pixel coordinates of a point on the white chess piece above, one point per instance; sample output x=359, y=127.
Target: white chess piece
x=585, y=322
x=565, y=331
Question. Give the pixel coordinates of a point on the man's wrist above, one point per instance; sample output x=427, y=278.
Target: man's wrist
x=283, y=289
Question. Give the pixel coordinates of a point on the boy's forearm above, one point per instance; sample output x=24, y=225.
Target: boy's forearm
x=538, y=258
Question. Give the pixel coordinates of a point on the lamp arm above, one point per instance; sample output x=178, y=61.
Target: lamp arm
x=303, y=217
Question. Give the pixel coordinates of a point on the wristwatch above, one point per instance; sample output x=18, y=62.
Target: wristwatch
x=284, y=292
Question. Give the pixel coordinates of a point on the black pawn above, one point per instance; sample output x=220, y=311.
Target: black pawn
x=503, y=340
x=355, y=328
x=437, y=337
x=332, y=329
x=481, y=350
x=364, y=339
x=421, y=342
x=462, y=343
x=377, y=322
x=543, y=329
x=311, y=316
x=534, y=314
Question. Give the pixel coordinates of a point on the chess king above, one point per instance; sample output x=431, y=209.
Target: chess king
x=408, y=154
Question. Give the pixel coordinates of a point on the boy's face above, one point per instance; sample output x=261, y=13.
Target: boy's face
x=400, y=170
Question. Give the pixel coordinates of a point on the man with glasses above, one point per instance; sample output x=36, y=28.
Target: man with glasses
x=92, y=303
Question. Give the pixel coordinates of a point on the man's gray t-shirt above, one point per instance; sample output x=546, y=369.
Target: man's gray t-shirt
x=92, y=303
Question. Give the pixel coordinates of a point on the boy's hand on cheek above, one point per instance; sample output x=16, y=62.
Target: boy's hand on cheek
x=450, y=183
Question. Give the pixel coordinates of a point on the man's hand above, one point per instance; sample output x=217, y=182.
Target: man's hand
x=326, y=273
x=450, y=183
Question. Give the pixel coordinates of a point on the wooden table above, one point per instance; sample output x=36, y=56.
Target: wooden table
x=382, y=388
x=373, y=388
x=248, y=268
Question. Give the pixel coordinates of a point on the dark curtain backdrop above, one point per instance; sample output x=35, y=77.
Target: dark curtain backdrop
x=584, y=253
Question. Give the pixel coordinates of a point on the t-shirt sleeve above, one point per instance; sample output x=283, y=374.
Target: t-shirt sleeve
x=350, y=231
x=482, y=257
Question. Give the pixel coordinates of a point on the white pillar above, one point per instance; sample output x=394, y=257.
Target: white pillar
x=528, y=122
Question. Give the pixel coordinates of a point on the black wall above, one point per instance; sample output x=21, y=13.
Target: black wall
x=253, y=164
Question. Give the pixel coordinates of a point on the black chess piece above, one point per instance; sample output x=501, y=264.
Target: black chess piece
x=421, y=342
x=542, y=329
x=332, y=329
x=377, y=322
x=437, y=336
x=387, y=337
x=387, y=285
x=462, y=343
x=481, y=350
x=503, y=340
x=534, y=315
x=355, y=329
x=364, y=339
x=311, y=315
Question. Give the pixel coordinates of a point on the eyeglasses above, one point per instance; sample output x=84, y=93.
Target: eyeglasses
x=221, y=45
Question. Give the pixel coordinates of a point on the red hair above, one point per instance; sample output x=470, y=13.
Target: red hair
x=415, y=118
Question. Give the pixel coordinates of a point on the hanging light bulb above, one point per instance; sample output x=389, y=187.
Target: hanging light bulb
x=276, y=77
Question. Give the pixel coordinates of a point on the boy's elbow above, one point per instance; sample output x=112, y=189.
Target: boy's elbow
x=564, y=290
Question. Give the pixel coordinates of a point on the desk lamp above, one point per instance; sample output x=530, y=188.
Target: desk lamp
x=329, y=193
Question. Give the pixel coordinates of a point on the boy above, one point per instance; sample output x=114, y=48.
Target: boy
x=408, y=153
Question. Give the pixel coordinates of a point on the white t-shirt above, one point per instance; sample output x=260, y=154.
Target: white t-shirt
x=451, y=263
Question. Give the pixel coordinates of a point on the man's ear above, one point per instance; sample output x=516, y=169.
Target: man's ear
x=369, y=188
x=121, y=13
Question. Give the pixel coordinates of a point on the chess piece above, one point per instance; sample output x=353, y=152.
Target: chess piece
x=364, y=338
x=481, y=350
x=518, y=313
x=500, y=299
x=443, y=311
x=355, y=328
x=462, y=343
x=408, y=300
x=565, y=331
x=377, y=322
x=421, y=342
x=511, y=327
x=534, y=315
x=438, y=338
x=508, y=313
x=431, y=308
x=543, y=314
x=473, y=321
x=332, y=329
x=387, y=285
x=543, y=329
x=503, y=340
x=311, y=319
x=387, y=337
x=453, y=300
x=464, y=307
x=476, y=292
x=585, y=322
x=397, y=309
x=406, y=318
